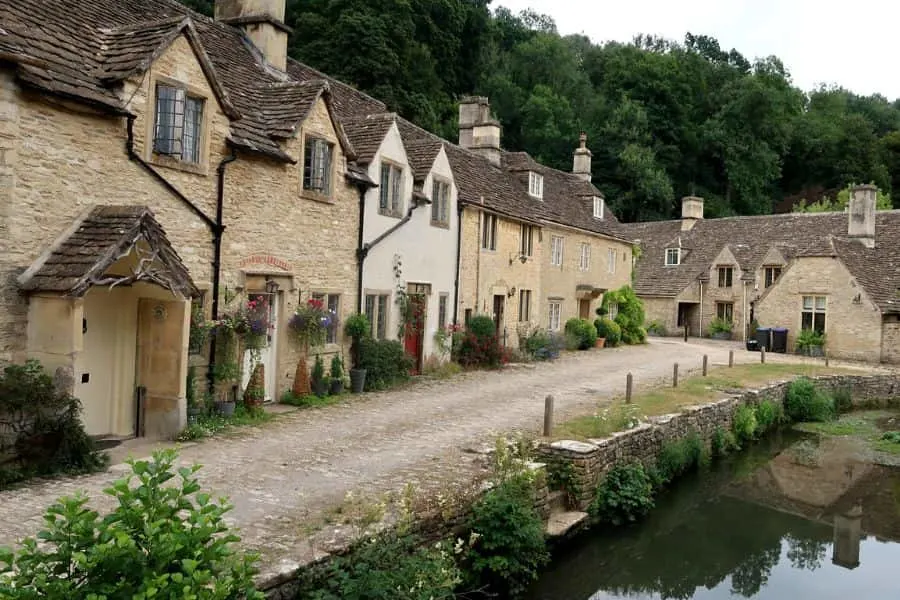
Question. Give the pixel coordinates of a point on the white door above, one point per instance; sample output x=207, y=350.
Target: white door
x=267, y=355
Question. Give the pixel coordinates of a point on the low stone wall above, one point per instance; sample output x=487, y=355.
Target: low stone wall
x=592, y=459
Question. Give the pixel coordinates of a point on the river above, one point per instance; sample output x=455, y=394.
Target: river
x=794, y=517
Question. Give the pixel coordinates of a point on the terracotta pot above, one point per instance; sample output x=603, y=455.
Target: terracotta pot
x=601, y=342
x=301, y=379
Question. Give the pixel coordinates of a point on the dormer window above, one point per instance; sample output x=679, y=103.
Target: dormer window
x=390, y=202
x=598, y=207
x=179, y=117
x=673, y=257
x=535, y=185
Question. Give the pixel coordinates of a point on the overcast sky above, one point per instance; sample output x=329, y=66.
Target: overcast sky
x=853, y=43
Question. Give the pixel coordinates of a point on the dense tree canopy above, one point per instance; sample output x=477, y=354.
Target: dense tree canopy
x=664, y=119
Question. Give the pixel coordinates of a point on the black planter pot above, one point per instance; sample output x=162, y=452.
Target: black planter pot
x=357, y=380
x=337, y=387
x=320, y=388
x=226, y=409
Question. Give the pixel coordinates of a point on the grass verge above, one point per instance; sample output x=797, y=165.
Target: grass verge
x=212, y=425
x=618, y=416
x=312, y=401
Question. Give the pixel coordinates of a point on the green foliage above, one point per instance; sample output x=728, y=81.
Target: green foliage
x=213, y=424
x=744, y=424
x=678, y=457
x=543, y=345
x=337, y=368
x=357, y=327
x=478, y=345
x=723, y=442
x=387, y=567
x=768, y=415
x=891, y=436
x=625, y=496
x=582, y=333
x=42, y=430
x=318, y=370
x=509, y=549
x=806, y=402
x=843, y=399
x=630, y=317
x=839, y=203
x=385, y=362
x=718, y=325
x=656, y=327
x=164, y=539
x=808, y=338
x=609, y=329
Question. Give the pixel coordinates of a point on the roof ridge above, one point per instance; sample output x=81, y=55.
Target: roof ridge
x=327, y=77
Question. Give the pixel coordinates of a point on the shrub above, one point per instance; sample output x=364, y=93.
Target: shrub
x=625, y=495
x=582, y=332
x=809, y=338
x=385, y=362
x=678, y=457
x=479, y=345
x=722, y=442
x=161, y=541
x=656, y=327
x=630, y=315
x=42, y=428
x=356, y=328
x=609, y=329
x=768, y=414
x=509, y=549
x=744, y=424
x=843, y=400
x=718, y=325
x=337, y=368
x=805, y=402
x=388, y=566
x=318, y=370
x=542, y=345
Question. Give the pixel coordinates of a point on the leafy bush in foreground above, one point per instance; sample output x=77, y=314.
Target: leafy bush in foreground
x=582, y=333
x=625, y=496
x=806, y=402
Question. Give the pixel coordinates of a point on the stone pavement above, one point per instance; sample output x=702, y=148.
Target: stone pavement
x=285, y=474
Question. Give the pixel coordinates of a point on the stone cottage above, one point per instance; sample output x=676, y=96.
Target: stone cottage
x=838, y=273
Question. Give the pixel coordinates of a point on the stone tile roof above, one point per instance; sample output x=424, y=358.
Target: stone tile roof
x=422, y=148
x=81, y=257
x=367, y=132
x=750, y=238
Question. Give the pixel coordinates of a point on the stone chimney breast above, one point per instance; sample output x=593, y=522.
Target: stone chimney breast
x=861, y=214
x=263, y=22
x=478, y=131
x=581, y=165
x=691, y=211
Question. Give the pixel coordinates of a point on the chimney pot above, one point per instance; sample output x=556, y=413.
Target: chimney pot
x=263, y=22
x=479, y=132
x=861, y=214
x=581, y=163
x=691, y=212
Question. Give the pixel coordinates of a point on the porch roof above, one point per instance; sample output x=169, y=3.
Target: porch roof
x=81, y=257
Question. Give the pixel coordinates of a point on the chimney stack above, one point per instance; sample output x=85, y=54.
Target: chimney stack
x=479, y=132
x=262, y=22
x=691, y=212
x=581, y=165
x=861, y=223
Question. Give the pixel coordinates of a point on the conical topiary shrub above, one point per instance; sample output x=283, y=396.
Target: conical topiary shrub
x=255, y=394
x=301, y=378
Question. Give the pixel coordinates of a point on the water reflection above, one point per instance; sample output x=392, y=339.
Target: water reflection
x=761, y=528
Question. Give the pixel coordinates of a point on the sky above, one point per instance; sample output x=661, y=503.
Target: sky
x=848, y=43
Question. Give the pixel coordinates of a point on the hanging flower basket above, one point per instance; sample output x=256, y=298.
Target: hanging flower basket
x=310, y=323
x=250, y=324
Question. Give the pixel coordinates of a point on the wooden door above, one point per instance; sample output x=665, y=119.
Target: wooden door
x=414, y=330
x=499, y=304
x=584, y=308
x=161, y=353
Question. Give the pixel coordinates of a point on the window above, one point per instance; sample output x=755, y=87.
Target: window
x=673, y=256
x=317, y=158
x=726, y=275
x=612, y=310
x=526, y=246
x=467, y=316
x=377, y=313
x=725, y=311
x=332, y=303
x=443, y=300
x=584, y=263
x=440, y=203
x=598, y=207
x=813, y=314
x=555, y=312
x=489, y=232
x=611, y=256
x=535, y=184
x=556, y=251
x=390, y=202
x=179, y=118
x=524, y=305
x=772, y=275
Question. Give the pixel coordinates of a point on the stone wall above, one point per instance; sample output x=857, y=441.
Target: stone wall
x=591, y=460
x=890, y=342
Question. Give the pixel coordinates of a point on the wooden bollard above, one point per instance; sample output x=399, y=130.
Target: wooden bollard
x=762, y=354
x=675, y=375
x=629, y=385
x=548, y=416
x=826, y=361
x=730, y=359
x=685, y=333
x=705, y=364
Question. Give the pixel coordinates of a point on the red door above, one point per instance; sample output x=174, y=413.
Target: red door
x=414, y=331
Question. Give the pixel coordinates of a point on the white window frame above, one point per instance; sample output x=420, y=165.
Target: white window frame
x=390, y=190
x=318, y=163
x=676, y=252
x=488, y=231
x=599, y=207
x=443, y=309
x=725, y=276
x=814, y=307
x=526, y=240
x=584, y=263
x=440, y=203
x=330, y=302
x=535, y=185
x=723, y=309
x=612, y=310
x=767, y=283
x=186, y=127
x=377, y=309
x=611, y=259
x=554, y=313
x=524, y=306
x=557, y=250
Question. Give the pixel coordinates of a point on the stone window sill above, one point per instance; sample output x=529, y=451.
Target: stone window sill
x=440, y=224
x=169, y=162
x=317, y=197
x=391, y=214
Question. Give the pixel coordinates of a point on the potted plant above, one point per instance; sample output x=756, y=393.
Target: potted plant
x=810, y=343
x=194, y=408
x=336, y=374
x=356, y=328
x=308, y=327
x=720, y=329
x=317, y=377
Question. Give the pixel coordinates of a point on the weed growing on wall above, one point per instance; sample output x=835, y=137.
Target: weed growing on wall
x=722, y=442
x=678, y=457
x=744, y=424
x=806, y=402
x=624, y=496
x=769, y=415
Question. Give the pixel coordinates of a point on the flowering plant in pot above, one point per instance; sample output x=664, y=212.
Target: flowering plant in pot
x=357, y=328
x=308, y=327
x=248, y=323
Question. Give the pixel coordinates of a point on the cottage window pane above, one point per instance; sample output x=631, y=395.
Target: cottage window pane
x=436, y=202
x=381, y=325
x=819, y=322
x=385, y=188
x=168, y=112
x=370, y=313
x=807, y=302
x=820, y=302
x=445, y=203
x=317, y=165
x=806, y=320
x=395, y=190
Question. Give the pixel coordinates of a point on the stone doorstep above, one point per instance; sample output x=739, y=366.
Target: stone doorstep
x=562, y=524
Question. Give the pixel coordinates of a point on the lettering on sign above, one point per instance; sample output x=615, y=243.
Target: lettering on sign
x=266, y=260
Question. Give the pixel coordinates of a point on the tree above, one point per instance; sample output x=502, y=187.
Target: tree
x=839, y=203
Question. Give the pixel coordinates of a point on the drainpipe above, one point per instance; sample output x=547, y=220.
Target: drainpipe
x=459, y=214
x=218, y=232
x=700, y=333
x=744, y=315
x=361, y=251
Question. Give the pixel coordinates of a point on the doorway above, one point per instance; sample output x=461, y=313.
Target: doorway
x=267, y=354
x=161, y=357
x=687, y=317
x=499, y=304
x=414, y=329
x=584, y=308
